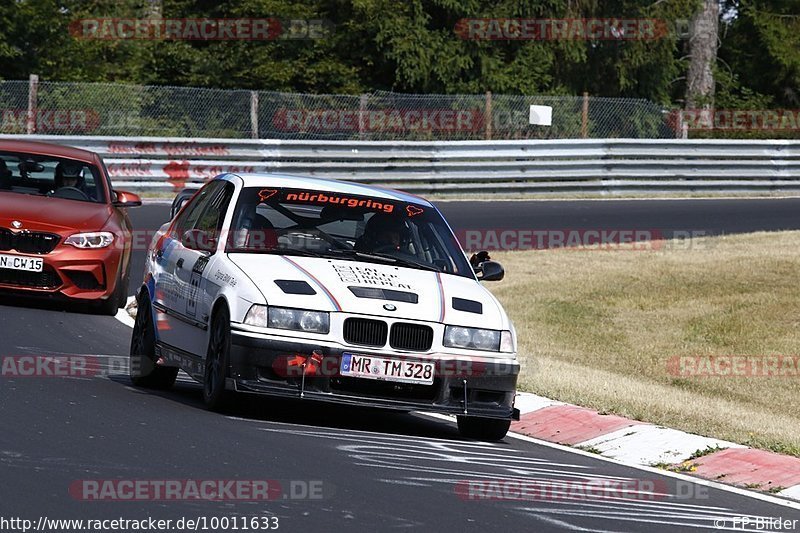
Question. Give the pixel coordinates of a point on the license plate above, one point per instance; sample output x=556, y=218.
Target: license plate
x=370, y=367
x=19, y=262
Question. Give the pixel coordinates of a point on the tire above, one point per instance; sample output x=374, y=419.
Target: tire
x=215, y=372
x=142, y=366
x=489, y=429
x=111, y=305
x=124, y=296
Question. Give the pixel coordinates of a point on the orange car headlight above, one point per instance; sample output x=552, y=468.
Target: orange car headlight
x=97, y=239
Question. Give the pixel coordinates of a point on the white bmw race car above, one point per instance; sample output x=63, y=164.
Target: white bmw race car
x=325, y=290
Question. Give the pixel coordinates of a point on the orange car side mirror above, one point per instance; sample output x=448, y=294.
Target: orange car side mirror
x=127, y=199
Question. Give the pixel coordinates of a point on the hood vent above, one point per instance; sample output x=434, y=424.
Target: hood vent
x=384, y=294
x=291, y=286
x=468, y=306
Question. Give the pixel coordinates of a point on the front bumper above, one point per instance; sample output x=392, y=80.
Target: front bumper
x=257, y=366
x=67, y=271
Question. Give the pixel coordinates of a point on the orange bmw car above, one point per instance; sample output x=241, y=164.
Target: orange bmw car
x=64, y=232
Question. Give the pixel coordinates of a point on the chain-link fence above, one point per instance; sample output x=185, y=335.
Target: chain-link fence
x=133, y=110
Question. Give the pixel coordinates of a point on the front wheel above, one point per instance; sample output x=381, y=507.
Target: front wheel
x=216, y=366
x=114, y=302
x=475, y=427
x=142, y=363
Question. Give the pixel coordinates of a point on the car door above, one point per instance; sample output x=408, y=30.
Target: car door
x=170, y=258
x=196, y=292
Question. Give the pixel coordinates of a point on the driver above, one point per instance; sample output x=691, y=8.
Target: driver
x=385, y=233
x=69, y=175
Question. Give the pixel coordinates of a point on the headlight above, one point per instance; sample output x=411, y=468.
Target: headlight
x=285, y=318
x=477, y=339
x=97, y=239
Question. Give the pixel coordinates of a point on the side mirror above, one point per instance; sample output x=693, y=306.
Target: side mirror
x=197, y=239
x=490, y=271
x=126, y=199
x=179, y=200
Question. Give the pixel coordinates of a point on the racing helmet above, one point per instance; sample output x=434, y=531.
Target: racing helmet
x=72, y=170
x=385, y=230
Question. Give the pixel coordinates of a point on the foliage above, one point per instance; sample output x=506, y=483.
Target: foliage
x=413, y=46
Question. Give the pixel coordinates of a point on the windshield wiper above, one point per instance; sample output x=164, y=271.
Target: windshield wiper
x=305, y=253
x=276, y=251
x=386, y=258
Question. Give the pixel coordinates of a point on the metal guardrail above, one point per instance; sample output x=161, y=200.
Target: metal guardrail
x=610, y=165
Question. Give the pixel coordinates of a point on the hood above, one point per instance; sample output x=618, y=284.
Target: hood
x=439, y=297
x=51, y=214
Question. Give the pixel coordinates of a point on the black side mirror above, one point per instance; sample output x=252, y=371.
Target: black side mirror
x=179, y=200
x=490, y=271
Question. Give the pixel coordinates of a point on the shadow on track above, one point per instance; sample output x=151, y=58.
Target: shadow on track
x=48, y=303
x=307, y=413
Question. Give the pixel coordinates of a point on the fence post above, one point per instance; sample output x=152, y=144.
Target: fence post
x=678, y=124
x=254, y=114
x=362, y=115
x=33, y=102
x=487, y=115
x=585, y=116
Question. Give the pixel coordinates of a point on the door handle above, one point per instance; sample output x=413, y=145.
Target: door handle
x=179, y=263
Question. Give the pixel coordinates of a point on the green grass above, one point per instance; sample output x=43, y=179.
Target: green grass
x=599, y=328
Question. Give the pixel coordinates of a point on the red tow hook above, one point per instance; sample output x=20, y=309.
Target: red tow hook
x=310, y=366
x=298, y=365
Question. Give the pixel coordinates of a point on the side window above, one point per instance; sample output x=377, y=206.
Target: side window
x=211, y=218
x=188, y=217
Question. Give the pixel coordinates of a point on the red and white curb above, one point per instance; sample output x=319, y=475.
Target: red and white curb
x=637, y=443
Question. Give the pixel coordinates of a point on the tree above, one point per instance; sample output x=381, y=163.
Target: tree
x=760, y=54
x=703, y=43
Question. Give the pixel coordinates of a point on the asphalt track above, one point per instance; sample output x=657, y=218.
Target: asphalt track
x=376, y=471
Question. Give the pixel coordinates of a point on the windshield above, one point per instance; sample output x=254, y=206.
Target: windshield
x=345, y=226
x=49, y=176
